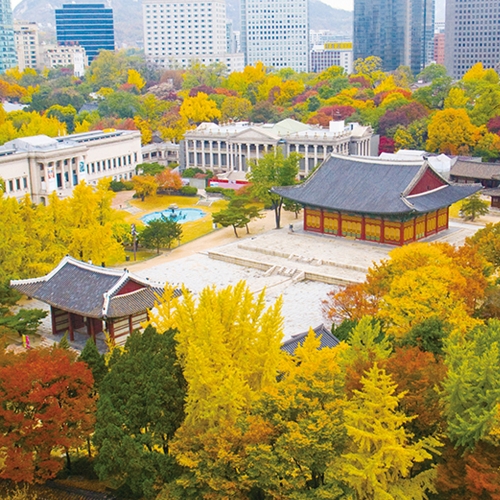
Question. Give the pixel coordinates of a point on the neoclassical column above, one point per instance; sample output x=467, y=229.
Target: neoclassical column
x=195, y=153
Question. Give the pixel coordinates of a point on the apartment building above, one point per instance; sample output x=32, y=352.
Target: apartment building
x=27, y=45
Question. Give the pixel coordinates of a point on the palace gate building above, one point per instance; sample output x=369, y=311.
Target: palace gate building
x=376, y=200
x=91, y=299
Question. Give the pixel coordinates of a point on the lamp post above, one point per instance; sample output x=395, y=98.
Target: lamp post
x=134, y=240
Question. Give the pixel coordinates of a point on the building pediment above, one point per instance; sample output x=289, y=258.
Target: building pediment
x=254, y=134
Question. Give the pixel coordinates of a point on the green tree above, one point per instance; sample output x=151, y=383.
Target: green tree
x=381, y=454
x=161, y=233
x=140, y=407
x=120, y=105
x=472, y=386
x=65, y=114
x=24, y=322
x=231, y=217
x=237, y=214
x=273, y=170
x=149, y=168
x=95, y=361
x=474, y=206
x=432, y=72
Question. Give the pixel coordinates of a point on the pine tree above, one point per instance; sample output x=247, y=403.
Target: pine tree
x=472, y=385
x=95, y=361
x=140, y=407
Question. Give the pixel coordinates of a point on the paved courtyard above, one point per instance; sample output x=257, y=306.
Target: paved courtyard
x=299, y=266
x=302, y=267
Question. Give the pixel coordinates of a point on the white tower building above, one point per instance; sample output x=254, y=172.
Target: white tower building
x=177, y=32
x=276, y=32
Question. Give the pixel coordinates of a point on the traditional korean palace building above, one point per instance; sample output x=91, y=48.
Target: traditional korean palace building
x=228, y=148
x=375, y=200
x=91, y=299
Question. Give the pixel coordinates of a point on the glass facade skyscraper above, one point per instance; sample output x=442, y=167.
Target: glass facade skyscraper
x=88, y=25
x=8, y=56
x=400, y=32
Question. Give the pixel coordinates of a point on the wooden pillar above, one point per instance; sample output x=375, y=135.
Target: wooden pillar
x=321, y=221
x=70, y=327
x=130, y=324
x=305, y=219
x=447, y=217
x=382, y=230
x=111, y=328
x=415, y=229
x=426, y=232
x=363, y=229
x=401, y=233
x=53, y=321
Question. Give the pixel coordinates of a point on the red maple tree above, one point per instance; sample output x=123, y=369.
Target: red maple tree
x=46, y=408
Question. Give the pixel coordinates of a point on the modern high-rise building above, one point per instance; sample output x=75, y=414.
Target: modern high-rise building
x=400, y=32
x=276, y=32
x=179, y=32
x=27, y=45
x=88, y=25
x=472, y=35
x=8, y=57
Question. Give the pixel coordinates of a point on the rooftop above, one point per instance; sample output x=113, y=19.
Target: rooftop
x=91, y=291
x=374, y=186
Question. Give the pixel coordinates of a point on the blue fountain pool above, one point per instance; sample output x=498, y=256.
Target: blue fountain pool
x=179, y=215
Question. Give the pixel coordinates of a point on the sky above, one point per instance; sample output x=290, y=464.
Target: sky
x=340, y=4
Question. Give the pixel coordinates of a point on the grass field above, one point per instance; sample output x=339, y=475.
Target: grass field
x=190, y=230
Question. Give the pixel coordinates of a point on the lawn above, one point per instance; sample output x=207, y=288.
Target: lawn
x=190, y=230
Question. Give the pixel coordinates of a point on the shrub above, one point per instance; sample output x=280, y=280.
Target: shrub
x=117, y=186
x=188, y=191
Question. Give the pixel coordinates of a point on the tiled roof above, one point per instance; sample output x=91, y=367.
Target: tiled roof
x=327, y=339
x=136, y=301
x=475, y=170
x=88, y=290
x=372, y=186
